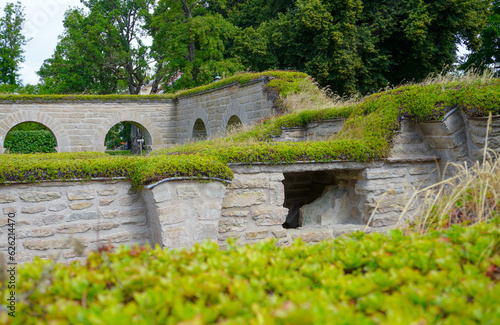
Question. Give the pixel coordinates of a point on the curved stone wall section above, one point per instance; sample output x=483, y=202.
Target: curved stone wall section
x=217, y=106
x=82, y=126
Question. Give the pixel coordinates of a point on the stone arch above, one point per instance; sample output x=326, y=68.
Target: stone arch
x=151, y=133
x=199, y=130
x=233, y=122
x=46, y=120
x=234, y=109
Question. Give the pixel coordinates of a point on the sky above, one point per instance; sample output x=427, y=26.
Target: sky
x=43, y=24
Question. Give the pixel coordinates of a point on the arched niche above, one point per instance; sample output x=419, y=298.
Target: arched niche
x=120, y=136
x=30, y=137
x=234, y=122
x=199, y=130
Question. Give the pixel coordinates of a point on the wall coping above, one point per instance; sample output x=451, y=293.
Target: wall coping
x=203, y=92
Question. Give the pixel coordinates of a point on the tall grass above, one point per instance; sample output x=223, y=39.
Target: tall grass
x=471, y=195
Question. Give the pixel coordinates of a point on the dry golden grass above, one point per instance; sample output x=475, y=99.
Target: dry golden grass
x=471, y=195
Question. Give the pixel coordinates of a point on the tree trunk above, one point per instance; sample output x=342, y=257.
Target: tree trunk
x=135, y=134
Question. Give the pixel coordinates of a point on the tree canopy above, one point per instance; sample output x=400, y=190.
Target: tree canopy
x=11, y=42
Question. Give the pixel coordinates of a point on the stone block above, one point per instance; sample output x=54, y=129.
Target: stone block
x=39, y=196
x=49, y=219
x=232, y=225
x=191, y=191
x=269, y=216
x=86, y=194
x=141, y=235
x=176, y=237
x=214, y=190
x=74, y=228
x=109, y=214
x=235, y=213
x=206, y=231
x=8, y=210
x=253, y=235
x=175, y=213
x=7, y=198
x=33, y=210
x=383, y=172
x=208, y=211
x=45, y=244
x=133, y=212
x=82, y=216
x=105, y=202
x=40, y=232
x=80, y=205
x=244, y=181
x=243, y=198
x=310, y=235
x=108, y=191
x=138, y=220
x=119, y=237
x=105, y=226
x=128, y=200
x=279, y=233
x=57, y=207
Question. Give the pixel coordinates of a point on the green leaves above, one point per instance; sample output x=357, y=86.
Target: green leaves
x=300, y=284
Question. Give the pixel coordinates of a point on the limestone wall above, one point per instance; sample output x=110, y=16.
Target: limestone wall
x=216, y=106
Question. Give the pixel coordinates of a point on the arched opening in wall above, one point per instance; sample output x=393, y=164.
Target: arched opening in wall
x=233, y=124
x=321, y=198
x=30, y=137
x=199, y=130
x=128, y=138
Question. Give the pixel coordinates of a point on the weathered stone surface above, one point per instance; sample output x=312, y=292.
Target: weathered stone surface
x=128, y=200
x=277, y=194
x=269, y=216
x=45, y=244
x=162, y=193
x=206, y=231
x=105, y=226
x=40, y=232
x=243, y=198
x=39, y=196
x=49, y=219
x=214, y=190
x=82, y=216
x=252, y=235
x=252, y=181
x=74, y=228
x=422, y=170
x=176, y=237
x=33, y=210
x=208, y=211
x=132, y=212
x=105, y=202
x=310, y=235
x=175, y=213
x=138, y=220
x=7, y=198
x=141, y=235
x=84, y=194
x=332, y=207
x=109, y=214
x=188, y=191
x=80, y=205
x=235, y=213
x=108, y=191
x=8, y=210
x=279, y=233
x=57, y=207
x=383, y=172
x=114, y=238
x=232, y=224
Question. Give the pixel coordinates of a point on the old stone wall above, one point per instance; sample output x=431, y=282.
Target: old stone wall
x=83, y=125
x=215, y=108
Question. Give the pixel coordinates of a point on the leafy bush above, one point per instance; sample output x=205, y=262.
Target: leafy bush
x=447, y=277
x=30, y=141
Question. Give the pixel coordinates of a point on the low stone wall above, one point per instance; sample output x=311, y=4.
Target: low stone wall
x=313, y=131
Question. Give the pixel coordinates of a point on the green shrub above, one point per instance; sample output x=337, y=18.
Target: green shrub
x=30, y=141
x=447, y=277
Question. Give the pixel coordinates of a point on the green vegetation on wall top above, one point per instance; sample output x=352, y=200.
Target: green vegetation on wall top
x=280, y=80
x=447, y=277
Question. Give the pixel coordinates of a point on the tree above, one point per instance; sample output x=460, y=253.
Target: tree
x=357, y=45
x=101, y=50
x=11, y=42
x=489, y=51
x=189, y=38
